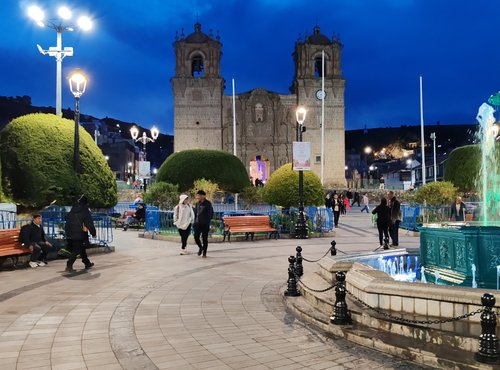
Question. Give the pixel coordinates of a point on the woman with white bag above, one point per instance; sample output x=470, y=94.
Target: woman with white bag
x=183, y=218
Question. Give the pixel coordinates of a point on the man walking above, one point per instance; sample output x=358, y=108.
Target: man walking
x=78, y=224
x=395, y=218
x=33, y=236
x=203, y=214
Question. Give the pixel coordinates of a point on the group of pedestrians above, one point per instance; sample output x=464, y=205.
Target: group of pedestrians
x=341, y=203
x=77, y=227
x=199, y=217
x=388, y=214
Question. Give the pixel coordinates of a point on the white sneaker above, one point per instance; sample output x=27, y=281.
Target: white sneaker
x=184, y=251
x=33, y=264
x=41, y=263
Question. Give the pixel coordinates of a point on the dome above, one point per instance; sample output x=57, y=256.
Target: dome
x=197, y=37
x=317, y=38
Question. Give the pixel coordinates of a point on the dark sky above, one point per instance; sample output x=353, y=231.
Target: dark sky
x=387, y=45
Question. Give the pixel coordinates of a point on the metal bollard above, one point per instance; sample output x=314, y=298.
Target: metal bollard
x=291, y=290
x=299, y=269
x=488, y=340
x=341, y=314
x=333, y=251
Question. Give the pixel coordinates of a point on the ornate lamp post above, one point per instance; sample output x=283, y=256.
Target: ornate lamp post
x=144, y=139
x=77, y=85
x=301, y=229
x=58, y=52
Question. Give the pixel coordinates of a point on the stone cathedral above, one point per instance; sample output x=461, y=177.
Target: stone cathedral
x=265, y=120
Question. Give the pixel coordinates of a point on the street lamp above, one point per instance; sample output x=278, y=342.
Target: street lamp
x=84, y=23
x=433, y=138
x=77, y=85
x=301, y=229
x=144, y=139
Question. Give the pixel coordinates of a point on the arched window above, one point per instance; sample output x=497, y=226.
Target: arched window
x=197, y=67
x=318, y=70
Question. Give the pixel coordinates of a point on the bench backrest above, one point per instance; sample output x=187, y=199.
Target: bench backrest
x=246, y=220
x=9, y=238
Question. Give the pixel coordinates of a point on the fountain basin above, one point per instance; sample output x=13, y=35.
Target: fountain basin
x=451, y=250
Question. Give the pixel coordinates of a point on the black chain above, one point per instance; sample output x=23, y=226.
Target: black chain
x=305, y=259
x=409, y=321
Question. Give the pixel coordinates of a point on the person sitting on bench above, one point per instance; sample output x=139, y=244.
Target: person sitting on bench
x=33, y=237
x=138, y=216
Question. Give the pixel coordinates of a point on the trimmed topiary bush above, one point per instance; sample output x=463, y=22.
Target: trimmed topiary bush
x=438, y=193
x=282, y=188
x=183, y=168
x=163, y=195
x=37, y=160
x=463, y=165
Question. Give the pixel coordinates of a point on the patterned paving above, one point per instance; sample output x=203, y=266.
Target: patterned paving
x=147, y=307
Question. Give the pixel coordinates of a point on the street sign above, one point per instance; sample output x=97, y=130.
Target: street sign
x=301, y=156
x=144, y=169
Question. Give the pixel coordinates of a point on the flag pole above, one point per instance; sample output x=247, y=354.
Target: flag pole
x=322, y=116
x=422, y=131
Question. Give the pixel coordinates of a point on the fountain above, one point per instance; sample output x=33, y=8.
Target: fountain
x=467, y=253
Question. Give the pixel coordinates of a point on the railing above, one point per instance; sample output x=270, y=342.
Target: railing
x=7, y=219
x=319, y=220
x=415, y=216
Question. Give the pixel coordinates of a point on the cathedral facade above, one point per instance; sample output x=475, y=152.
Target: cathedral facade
x=265, y=120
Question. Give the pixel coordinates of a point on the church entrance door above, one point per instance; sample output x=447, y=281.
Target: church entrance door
x=260, y=169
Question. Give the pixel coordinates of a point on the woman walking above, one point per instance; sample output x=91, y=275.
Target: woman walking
x=183, y=218
x=337, y=206
x=383, y=213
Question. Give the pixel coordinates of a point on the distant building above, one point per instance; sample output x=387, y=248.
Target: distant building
x=266, y=127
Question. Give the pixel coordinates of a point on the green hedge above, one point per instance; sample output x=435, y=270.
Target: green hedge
x=183, y=168
x=282, y=188
x=463, y=165
x=37, y=160
x=436, y=193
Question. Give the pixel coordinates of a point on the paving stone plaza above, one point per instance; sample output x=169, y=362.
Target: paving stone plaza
x=144, y=306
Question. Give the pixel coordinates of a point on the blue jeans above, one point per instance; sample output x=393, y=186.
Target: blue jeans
x=365, y=208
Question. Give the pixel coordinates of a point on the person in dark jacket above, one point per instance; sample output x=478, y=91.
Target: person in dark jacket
x=79, y=224
x=458, y=210
x=33, y=237
x=337, y=208
x=328, y=201
x=383, y=213
x=203, y=214
x=139, y=216
x=395, y=207
x=356, y=199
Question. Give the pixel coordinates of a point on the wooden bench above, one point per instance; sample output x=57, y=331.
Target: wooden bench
x=10, y=246
x=121, y=221
x=248, y=225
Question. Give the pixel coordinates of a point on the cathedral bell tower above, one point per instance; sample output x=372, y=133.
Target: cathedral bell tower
x=197, y=87
x=307, y=88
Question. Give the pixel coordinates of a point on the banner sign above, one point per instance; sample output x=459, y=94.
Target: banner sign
x=301, y=156
x=144, y=169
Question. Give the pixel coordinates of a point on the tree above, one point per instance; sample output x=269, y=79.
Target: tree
x=183, y=168
x=437, y=193
x=209, y=187
x=463, y=165
x=282, y=188
x=163, y=195
x=251, y=195
x=36, y=153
